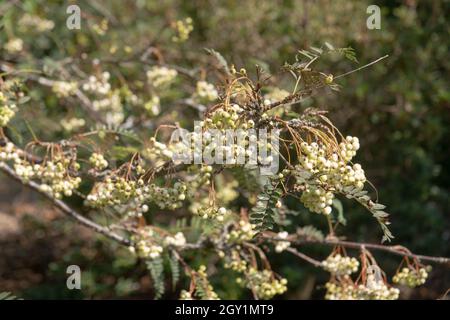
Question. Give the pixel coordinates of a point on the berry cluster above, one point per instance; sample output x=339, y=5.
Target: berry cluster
x=282, y=245
x=98, y=161
x=411, y=277
x=227, y=118
x=98, y=85
x=112, y=191
x=235, y=262
x=340, y=265
x=14, y=45
x=317, y=199
x=153, y=106
x=349, y=148
x=165, y=198
x=264, y=284
x=332, y=172
x=72, y=124
x=205, y=92
x=245, y=231
x=160, y=76
x=111, y=106
x=203, y=287
x=8, y=152
x=64, y=89
x=145, y=245
x=201, y=178
x=178, y=240
x=373, y=289
x=185, y=295
x=210, y=212
x=159, y=151
x=57, y=176
x=7, y=110
x=182, y=28
x=35, y=23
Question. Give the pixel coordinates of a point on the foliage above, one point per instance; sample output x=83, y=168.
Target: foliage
x=90, y=101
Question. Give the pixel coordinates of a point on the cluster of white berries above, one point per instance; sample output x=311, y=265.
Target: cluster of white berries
x=178, y=240
x=332, y=171
x=149, y=244
x=411, y=277
x=211, y=140
x=115, y=190
x=98, y=161
x=7, y=110
x=349, y=148
x=161, y=76
x=185, y=295
x=245, y=231
x=101, y=28
x=112, y=191
x=235, y=262
x=153, y=106
x=210, y=212
x=182, y=28
x=202, y=281
x=280, y=246
x=148, y=251
x=376, y=289
x=264, y=284
x=165, y=197
x=317, y=199
x=72, y=124
x=227, y=118
x=56, y=178
x=373, y=289
x=145, y=246
x=159, y=150
x=111, y=105
x=56, y=175
x=64, y=88
x=98, y=85
x=201, y=178
x=35, y=23
x=107, y=101
x=8, y=152
x=205, y=92
x=340, y=265
x=14, y=45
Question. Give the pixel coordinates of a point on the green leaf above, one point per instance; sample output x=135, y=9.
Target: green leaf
x=174, y=269
x=156, y=268
x=8, y=296
x=223, y=64
x=337, y=204
x=264, y=212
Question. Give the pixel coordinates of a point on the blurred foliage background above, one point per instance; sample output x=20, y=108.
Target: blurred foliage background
x=399, y=109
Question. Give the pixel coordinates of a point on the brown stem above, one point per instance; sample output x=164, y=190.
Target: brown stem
x=303, y=256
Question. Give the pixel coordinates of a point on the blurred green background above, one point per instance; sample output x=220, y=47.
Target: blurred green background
x=399, y=108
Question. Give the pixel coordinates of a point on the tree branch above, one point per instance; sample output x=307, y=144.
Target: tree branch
x=397, y=250
x=66, y=209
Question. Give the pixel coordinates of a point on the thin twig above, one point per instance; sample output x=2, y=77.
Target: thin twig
x=360, y=68
x=303, y=256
